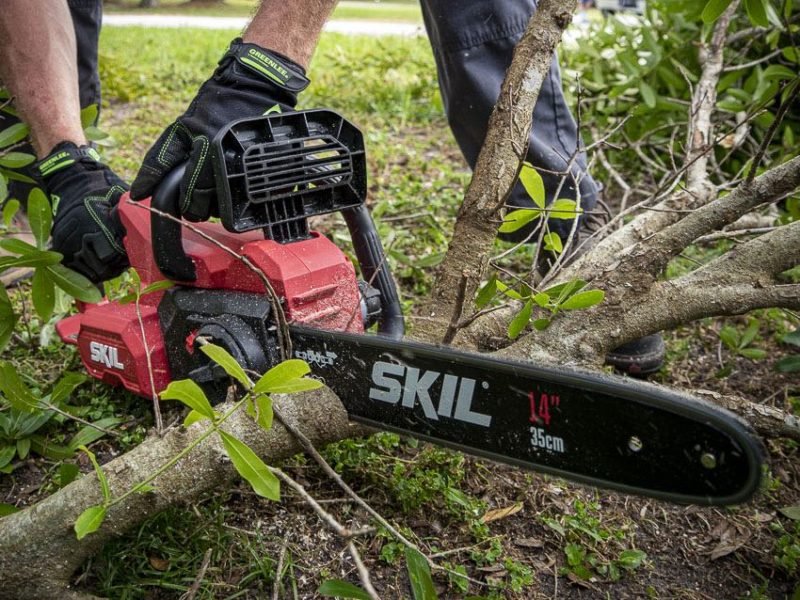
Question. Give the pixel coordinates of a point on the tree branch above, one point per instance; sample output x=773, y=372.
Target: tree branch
x=497, y=168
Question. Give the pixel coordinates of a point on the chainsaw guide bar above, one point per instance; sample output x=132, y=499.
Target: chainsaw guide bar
x=600, y=430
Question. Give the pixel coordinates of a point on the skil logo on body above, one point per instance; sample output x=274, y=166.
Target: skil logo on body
x=316, y=358
x=394, y=383
x=105, y=355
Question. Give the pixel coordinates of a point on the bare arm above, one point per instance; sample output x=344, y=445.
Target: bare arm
x=38, y=65
x=290, y=27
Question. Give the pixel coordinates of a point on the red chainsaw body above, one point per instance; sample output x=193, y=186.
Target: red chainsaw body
x=315, y=280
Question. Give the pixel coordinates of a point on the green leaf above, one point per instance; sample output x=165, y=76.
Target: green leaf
x=43, y=294
x=261, y=411
x=7, y=509
x=144, y=488
x=583, y=300
x=757, y=12
x=10, y=209
x=791, y=512
x=730, y=337
x=486, y=293
x=251, y=467
x=67, y=473
x=793, y=338
x=41, y=258
x=542, y=299
x=223, y=358
x=89, y=434
x=65, y=386
x=631, y=559
x=789, y=364
x=101, y=477
x=517, y=219
x=342, y=589
x=648, y=94
x=507, y=291
x=193, y=417
x=750, y=333
x=7, y=454
x=40, y=216
x=3, y=193
x=89, y=115
x=12, y=135
x=575, y=554
x=552, y=242
x=8, y=320
x=16, y=160
x=17, y=246
x=419, y=574
x=90, y=521
x=564, y=208
x=75, y=284
x=713, y=9
x=541, y=324
x=44, y=447
x=753, y=353
x=23, y=448
x=294, y=386
x=533, y=183
x=520, y=321
x=294, y=368
x=16, y=392
x=192, y=395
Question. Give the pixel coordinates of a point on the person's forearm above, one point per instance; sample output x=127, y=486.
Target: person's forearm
x=290, y=27
x=38, y=65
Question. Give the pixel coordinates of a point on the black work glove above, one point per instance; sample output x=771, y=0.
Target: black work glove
x=86, y=226
x=249, y=81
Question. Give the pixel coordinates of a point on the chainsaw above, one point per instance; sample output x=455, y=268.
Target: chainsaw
x=272, y=174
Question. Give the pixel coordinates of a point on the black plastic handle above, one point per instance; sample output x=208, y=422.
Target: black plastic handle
x=167, y=234
x=375, y=270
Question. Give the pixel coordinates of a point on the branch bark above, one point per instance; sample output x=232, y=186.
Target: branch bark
x=496, y=171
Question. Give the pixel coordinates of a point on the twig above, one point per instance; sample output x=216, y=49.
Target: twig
x=309, y=447
x=328, y=518
x=276, y=588
x=363, y=572
x=722, y=235
x=199, y=579
x=156, y=406
x=779, y=116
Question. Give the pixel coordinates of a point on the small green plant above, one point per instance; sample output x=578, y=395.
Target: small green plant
x=592, y=549
x=542, y=307
x=740, y=341
x=23, y=413
x=786, y=549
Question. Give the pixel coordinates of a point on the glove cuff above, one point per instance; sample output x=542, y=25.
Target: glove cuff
x=64, y=155
x=270, y=66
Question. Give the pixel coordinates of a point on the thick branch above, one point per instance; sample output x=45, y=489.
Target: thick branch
x=497, y=169
x=38, y=548
x=704, y=100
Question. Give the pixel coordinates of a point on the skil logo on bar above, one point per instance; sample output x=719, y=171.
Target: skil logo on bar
x=105, y=355
x=394, y=383
x=317, y=358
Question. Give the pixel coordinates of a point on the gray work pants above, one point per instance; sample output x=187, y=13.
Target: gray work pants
x=473, y=42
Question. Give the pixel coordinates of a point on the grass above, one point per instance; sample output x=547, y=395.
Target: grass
x=405, y=11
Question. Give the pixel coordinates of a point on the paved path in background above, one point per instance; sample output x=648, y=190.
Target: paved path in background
x=374, y=28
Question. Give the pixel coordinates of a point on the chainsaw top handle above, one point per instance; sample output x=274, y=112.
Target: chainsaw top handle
x=272, y=173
